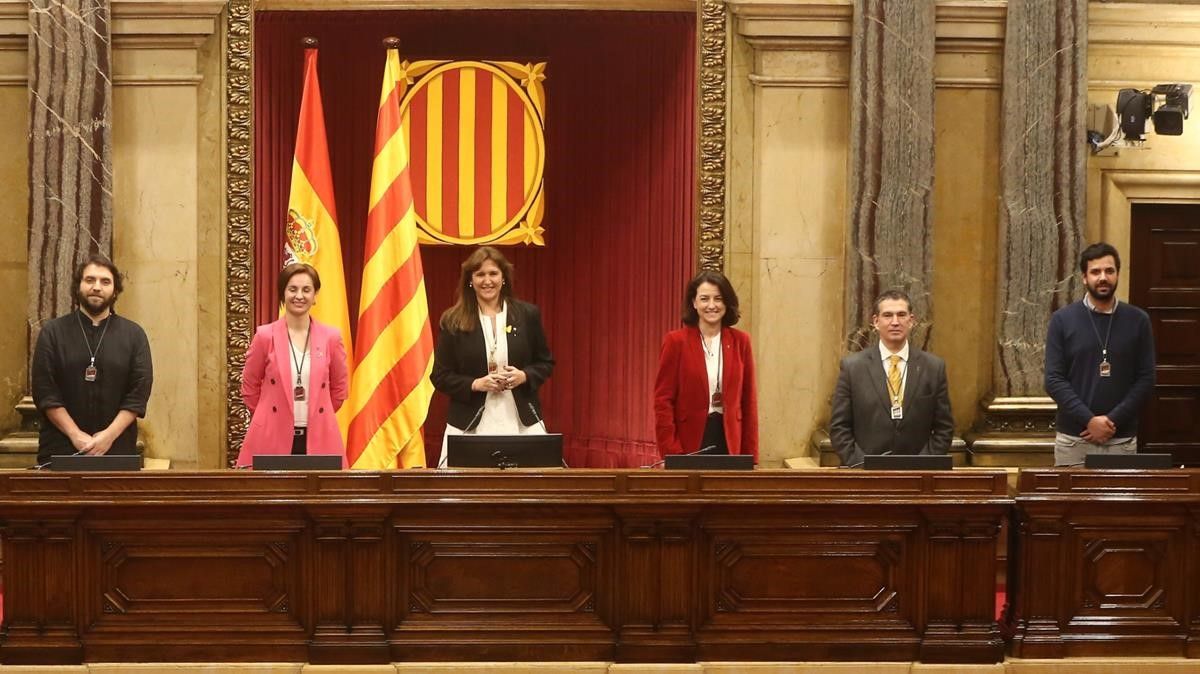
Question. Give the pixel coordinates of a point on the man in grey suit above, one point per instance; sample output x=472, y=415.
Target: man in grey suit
x=891, y=398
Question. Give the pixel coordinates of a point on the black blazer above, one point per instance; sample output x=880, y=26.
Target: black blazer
x=461, y=357
x=862, y=423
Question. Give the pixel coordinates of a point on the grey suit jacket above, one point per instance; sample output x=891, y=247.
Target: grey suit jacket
x=861, y=423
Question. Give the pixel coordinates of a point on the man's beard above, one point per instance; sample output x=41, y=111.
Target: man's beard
x=95, y=310
x=1109, y=292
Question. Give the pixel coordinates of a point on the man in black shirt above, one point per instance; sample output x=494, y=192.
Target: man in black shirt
x=91, y=371
x=1099, y=364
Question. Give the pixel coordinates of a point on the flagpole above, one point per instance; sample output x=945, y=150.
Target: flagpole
x=391, y=390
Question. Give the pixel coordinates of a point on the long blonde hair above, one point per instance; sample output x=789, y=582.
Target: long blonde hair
x=464, y=315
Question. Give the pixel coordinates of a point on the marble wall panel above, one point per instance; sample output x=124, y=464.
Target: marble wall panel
x=14, y=249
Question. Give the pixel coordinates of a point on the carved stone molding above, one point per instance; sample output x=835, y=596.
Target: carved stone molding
x=1014, y=431
x=1110, y=25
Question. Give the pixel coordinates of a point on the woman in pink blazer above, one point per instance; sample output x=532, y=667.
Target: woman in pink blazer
x=295, y=377
x=704, y=393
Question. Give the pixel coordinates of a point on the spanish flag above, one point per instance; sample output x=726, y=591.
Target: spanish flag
x=391, y=390
x=312, y=231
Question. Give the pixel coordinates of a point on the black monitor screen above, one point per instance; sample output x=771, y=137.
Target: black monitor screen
x=96, y=463
x=504, y=451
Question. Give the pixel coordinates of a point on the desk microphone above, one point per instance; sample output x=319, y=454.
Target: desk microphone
x=860, y=463
x=540, y=420
x=536, y=416
x=475, y=419
x=702, y=450
x=42, y=466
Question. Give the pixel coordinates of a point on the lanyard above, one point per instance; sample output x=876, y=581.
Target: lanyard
x=720, y=358
x=1112, y=317
x=90, y=372
x=903, y=367
x=299, y=362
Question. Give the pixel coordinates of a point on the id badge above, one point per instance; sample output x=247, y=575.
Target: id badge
x=298, y=394
x=897, y=412
x=89, y=373
x=1105, y=369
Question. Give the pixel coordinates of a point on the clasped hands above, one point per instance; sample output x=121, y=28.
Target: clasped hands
x=1099, y=430
x=507, y=377
x=92, y=445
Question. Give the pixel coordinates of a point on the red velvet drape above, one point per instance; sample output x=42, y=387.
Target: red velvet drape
x=620, y=138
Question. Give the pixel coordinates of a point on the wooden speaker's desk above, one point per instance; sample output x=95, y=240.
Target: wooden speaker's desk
x=1107, y=563
x=346, y=567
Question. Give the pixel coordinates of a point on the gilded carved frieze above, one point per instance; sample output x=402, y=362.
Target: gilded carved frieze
x=711, y=99
x=238, y=232
x=711, y=103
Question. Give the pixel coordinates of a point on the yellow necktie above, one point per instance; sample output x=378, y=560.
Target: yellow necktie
x=895, y=382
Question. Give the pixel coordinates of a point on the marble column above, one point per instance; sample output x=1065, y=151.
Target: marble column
x=70, y=148
x=1043, y=170
x=1042, y=217
x=890, y=236
x=69, y=76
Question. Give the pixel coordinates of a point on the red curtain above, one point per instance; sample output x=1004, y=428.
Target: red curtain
x=620, y=223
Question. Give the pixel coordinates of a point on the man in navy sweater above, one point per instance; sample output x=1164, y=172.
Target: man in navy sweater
x=1099, y=364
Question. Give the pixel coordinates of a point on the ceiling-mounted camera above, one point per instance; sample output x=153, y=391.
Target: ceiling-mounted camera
x=1166, y=105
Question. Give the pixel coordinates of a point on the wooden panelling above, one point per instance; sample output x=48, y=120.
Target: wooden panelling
x=644, y=566
x=1108, y=564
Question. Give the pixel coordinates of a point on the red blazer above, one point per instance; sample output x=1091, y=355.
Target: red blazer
x=681, y=393
x=267, y=391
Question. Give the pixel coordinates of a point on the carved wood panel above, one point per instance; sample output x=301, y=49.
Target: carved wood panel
x=531, y=574
x=809, y=577
x=492, y=576
x=1125, y=576
x=644, y=566
x=1108, y=564
x=212, y=584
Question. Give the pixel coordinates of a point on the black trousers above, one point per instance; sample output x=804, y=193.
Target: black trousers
x=300, y=441
x=714, y=435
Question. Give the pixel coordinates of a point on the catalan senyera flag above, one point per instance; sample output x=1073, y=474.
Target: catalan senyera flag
x=312, y=231
x=391, y=390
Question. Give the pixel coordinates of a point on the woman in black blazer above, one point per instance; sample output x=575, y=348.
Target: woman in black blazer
x=491, y=355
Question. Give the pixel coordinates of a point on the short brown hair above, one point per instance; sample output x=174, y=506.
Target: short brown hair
x=891, y=294
x=728, y=296
x=293, y=269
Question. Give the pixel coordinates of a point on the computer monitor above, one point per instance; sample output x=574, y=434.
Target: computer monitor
x=298, y=462
x=1142, y=461
x=709, y=462
x=102, y=462
x=504, y=451
x=908, y=462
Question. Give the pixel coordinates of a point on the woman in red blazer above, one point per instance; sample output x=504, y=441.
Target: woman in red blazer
x=295, y=377
x=704, y=393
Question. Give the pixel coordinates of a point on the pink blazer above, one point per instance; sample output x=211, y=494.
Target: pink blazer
x=267, y=391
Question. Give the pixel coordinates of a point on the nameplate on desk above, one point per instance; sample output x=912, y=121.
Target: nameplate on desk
x=1128, y=461
x=102, y=462
x=504, y=451
x=908, y=462
x=298, y=462
x=709, y=462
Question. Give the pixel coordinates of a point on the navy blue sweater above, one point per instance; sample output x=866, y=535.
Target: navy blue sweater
x=1073, y=366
